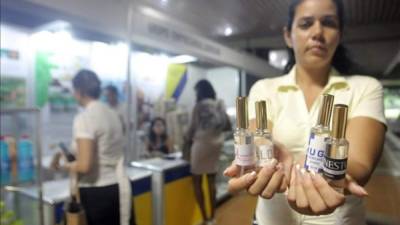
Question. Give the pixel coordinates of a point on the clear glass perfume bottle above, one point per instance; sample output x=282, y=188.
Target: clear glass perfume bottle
x=243, y=138
x=335, y=163
x=262, y=137
x=319, y=136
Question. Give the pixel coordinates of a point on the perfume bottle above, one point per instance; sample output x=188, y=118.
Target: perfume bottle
x=334, y=169
x=262, y=137
x=243, y=139
x=319, y=136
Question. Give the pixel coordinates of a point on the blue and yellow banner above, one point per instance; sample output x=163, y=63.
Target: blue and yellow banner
x=176, y=80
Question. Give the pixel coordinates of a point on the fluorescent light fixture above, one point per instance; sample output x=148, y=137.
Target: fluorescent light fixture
x=182, y=59
x=55, y=26
x=62, y=36
x=150, y=12
x=61, y=41
x=228, y=31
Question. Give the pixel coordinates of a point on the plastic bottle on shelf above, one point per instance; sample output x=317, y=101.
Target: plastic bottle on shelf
x=5, y=163
x=12, y=154
x=25, y=159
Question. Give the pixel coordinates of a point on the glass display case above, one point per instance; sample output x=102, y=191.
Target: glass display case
x=21, y=158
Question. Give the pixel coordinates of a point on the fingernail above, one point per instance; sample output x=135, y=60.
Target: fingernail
x=225, y=171
x=307, y=176
x=279, y=166
x=362, y=190
x=297, y=167
x=312, y=172
x=272, y=163
x=292, y=179
x=302, y=172
x=297, y=171
x=250, y=176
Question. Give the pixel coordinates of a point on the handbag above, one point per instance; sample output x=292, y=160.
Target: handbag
x=75, y=213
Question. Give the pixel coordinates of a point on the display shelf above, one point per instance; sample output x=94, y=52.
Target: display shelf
x=12, y=123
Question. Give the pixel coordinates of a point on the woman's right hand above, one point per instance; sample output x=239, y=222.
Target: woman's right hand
x=273, y=177
x=311, y=194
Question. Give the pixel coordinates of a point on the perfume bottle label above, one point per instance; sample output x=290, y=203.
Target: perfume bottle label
x=335, y=169
x=244, y=155
x=265, y=153
x=315, y=153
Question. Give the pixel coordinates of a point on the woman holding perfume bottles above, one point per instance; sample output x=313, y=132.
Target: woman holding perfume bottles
x=316, y=67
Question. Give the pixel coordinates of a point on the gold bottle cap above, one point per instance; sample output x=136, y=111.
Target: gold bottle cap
x=261, y=115
x=339, y=121
x=326, y=110
x=242, y=117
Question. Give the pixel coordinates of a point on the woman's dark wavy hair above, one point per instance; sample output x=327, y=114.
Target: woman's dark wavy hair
x=152, y=135
x=204, y=90
x=87, y=83
x=340, y=60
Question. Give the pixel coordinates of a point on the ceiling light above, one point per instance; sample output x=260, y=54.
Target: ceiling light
x=228, y=31
x=182, y=59
x=55, y=26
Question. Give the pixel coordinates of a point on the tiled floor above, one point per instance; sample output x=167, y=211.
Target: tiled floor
x=239, y=210
x=383, y=202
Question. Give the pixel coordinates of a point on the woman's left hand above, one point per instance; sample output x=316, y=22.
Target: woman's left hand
x=55, y=161
x=310, y=194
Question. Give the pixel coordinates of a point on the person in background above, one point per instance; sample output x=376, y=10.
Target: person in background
x=206, y=137
x=98, y=142
x=143, y=108
x=158, y=143
x=111, y=94
x=317, y=65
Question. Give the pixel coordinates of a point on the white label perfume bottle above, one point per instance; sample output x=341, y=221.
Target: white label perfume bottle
x=319, y=136
x=264, y=147
x=262, y=137
x=244, y=152
x=316, y=148
x=244, y=142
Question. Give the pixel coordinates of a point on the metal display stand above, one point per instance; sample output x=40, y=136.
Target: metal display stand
x=57, y=192
x=38, y=148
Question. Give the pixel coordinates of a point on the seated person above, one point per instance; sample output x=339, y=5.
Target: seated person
x=158, y=143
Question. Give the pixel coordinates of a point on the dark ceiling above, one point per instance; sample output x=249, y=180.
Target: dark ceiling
x=372, y=29
x=260, y=18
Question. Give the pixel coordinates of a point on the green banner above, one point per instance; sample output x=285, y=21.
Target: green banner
x=43, y=67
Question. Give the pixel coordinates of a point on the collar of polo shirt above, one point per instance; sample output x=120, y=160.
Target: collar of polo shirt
x=335, y=82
